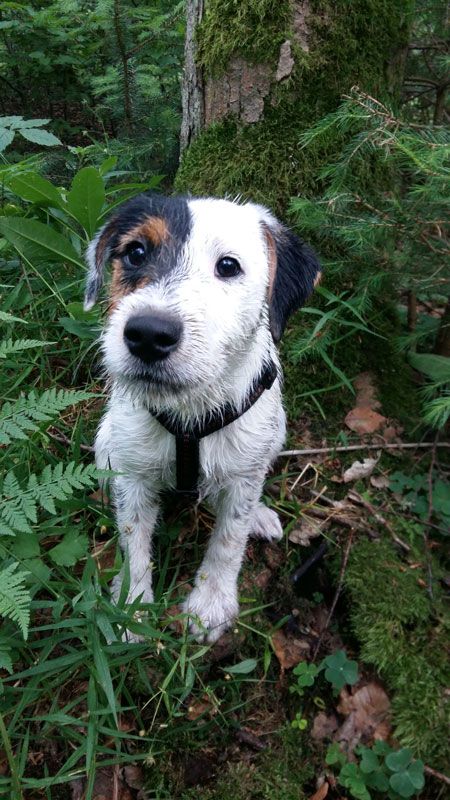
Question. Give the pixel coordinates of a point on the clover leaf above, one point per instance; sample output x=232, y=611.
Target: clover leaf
x=408, y=774
x=339, y=670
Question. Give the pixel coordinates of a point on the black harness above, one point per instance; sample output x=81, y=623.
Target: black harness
x=188, y=439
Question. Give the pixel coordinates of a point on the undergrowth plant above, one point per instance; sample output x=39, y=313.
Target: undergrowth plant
x=379, y=771
x=382, y=220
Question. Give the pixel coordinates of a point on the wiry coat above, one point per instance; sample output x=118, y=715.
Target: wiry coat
x=220, y=279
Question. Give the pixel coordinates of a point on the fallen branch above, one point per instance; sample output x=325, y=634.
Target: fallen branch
x=439, y=775
x=351, y=447
x=345, y=557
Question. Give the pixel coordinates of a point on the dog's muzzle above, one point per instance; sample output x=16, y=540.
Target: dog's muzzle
x=152, y=337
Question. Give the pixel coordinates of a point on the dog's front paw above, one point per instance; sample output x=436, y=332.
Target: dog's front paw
x=266, y=524
x=211, y=611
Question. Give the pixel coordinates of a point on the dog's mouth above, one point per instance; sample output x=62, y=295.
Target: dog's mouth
x=154, y=378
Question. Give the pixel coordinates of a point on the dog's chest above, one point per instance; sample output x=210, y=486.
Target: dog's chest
x=132, y=440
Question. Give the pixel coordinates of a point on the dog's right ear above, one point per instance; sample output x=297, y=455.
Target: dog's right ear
x=97, y=256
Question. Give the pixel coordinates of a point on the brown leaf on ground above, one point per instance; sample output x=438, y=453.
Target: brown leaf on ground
x=274, y=556
x=324, y=726
x=108, y=784
x=360, y=469
x=366, y=393
x=379, y=481
x=367, y=709
x=363, y=420
x=201, y=706
x=321, y=793
x=307, y=530
x=289, y=650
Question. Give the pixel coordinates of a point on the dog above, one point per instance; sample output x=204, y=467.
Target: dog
x=200, y=294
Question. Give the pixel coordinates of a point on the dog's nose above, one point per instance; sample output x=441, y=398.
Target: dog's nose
x=152, y=337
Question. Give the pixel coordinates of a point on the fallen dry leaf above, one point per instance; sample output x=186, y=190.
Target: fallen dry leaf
x=366, y=393
x=289, y=650
x=321, y=792
x=360, y=469
x=200, y=707
x=363, y=420
x=379, y=481
x=108, y=784
x=324, y=726
x=309, y=529
x=367, y=710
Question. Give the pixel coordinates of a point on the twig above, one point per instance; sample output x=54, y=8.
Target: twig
x=351, y=447
x=355, y=497
x=337, y=593
x=306, y=566
x=59, y=437
x=439, y=775
x=429, y=517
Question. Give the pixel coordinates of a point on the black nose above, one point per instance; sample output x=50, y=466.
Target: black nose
x=152, y=337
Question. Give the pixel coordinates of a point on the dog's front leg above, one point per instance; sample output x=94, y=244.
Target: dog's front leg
x=137, y=512
x=213, y=603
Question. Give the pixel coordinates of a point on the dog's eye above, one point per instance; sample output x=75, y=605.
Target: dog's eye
x=135, y=254
x=228, y=267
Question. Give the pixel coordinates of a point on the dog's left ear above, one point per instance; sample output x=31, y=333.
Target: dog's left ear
x=294, y=271
x=97, y=256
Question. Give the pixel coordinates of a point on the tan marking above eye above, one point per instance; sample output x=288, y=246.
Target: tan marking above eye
x=153, y=229
x=118, y=288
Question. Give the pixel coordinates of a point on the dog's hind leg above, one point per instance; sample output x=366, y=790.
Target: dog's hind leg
x=266, y=524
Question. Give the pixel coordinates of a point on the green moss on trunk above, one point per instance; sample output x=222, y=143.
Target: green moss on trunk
x=353, y=42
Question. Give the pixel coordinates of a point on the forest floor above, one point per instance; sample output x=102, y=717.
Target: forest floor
x=361, y=572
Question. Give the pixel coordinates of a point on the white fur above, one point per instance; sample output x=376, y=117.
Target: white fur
x=226, y=341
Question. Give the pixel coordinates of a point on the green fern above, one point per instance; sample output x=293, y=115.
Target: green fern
x=23, y=415
x=19, y=505
x=10, y=346
x=14, y=598
x=4, y=317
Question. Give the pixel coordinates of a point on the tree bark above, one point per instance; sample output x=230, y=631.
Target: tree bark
x=442, y=345
x=192, y=93
x=256, y=75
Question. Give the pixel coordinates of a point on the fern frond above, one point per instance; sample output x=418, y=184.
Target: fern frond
x=25, y=414
x=4, y=317
x=14, y=598
x=10, y=346
x=19, y=505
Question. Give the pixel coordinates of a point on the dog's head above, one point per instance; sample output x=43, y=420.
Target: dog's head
x=195, y=282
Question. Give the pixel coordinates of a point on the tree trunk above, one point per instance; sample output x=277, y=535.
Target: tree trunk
x=192, y=95
x=257, y=73
x=442, y=345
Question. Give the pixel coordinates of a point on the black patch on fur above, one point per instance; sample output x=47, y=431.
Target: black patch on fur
x=175, y=213
x=297, y=269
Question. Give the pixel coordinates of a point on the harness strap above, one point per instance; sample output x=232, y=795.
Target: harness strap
x=187, y=439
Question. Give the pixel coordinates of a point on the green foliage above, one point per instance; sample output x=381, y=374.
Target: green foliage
x=109, y=68
x=14, y=600
x=30, y=129
x=391, y=234
x=380, y=769
x=25, y=413
x=422, y=499
x=402, y=634
x=437, y=370
x=339, y=670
